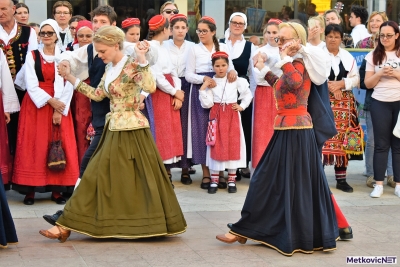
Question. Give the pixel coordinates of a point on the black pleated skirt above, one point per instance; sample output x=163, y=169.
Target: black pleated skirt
x=288, y=206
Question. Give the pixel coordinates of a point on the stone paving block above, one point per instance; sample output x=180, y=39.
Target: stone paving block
x=157, y=258
x=56, y=261
x=48, y=252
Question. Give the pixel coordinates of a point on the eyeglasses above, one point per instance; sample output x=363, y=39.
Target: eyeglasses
x=169, y=11
x=202, y=32
x=237, y=24
x=48, y=34
x=62, y=13
x=387, y=36
x=282, y=40
x=88, y=36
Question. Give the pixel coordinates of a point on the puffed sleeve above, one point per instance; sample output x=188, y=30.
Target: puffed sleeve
x=206, y=98
x=143, y=77
x=245, y=94
x=151, y=55
x=317, y=62
x=190, y=72
x=97, y=94
x=353, y=77
x=10, y=99
x=37, y=94
x=78, y=60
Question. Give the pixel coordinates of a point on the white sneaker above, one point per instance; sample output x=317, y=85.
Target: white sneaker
x=378, y=191
x=397, y=190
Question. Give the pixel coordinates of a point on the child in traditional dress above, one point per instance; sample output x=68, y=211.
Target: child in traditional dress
x=131, y=28
x=229, y=151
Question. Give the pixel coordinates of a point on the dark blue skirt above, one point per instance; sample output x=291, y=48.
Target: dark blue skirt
x=185, y=162
x=8, y=235
x=288, y=206
x=149, y=113
x=199, y=119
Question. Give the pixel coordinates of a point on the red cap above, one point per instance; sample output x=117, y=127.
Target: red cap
x=219, y=54
x=209, y=19
x=277, y=21
x=129, y=22
x=177, y=16
x=81, y=24
x=156, y=21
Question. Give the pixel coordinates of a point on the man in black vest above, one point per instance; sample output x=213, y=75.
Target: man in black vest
x=85, y=60
x=16, y=40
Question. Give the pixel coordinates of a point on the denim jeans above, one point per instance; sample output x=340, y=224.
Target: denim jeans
x=384, y=117
x=369, y=149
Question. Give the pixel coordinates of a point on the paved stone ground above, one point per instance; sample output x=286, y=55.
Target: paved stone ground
x=374, y=222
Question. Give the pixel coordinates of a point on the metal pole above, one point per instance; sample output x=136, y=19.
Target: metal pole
x=103, y=2
x=296, y=9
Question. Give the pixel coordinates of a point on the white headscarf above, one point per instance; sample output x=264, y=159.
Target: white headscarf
x=240, y=14
x=54, y=25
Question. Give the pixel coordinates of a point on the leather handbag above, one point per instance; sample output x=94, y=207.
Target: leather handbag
x=396, y=130
x=56, y=157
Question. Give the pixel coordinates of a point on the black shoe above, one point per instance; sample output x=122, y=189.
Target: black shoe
x=222, y=185
x=192, y=170
x=51, y=219
x=205, y=185
x=346, y=233
x=344, y=186
x=229, y=225
x=238, y=175
x=59, y=200
x=232, y=189
x=185, y=179
x=212, y=190
x=29, y=201
x=66, y=195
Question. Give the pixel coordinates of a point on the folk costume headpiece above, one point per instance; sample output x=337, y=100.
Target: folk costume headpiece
x=156, y=22
x=130, y=22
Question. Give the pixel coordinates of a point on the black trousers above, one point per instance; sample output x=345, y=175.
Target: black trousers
x=247, y=122
x=89, y=152
x=384, y=117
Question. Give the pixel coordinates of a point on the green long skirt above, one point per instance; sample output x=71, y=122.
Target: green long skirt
x=125, y=191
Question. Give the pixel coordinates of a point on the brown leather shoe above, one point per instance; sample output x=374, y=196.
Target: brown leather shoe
x=61, y=236
x=228, y=240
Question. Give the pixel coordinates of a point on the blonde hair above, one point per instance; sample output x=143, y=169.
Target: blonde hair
x=110, y=35
x=333, y=11
x=297, y=29
x=321, y=21
x=166, y=4
x=373, y=14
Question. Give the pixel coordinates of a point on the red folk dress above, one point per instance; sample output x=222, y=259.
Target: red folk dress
x=5, y=157
x=34, y=136
x=82, y=116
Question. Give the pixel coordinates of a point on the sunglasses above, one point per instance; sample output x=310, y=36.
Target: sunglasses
x=48, y=34
x=201, y=32
x=169, y=11
x=88, y=36
x=282, y=40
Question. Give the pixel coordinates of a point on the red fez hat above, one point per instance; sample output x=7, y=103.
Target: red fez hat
x=277, y=21
x=219, y=54
x=177, y=16
x=209, y=19
x=129, y=22
x=156, y=21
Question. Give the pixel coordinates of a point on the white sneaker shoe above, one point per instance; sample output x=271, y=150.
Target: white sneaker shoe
x=378, y=191
x=397, y=190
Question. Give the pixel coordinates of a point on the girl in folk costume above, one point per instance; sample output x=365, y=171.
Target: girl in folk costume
x=168, y=98
x=8, y=104
x=229, y=151
x=316, y=29
x=178, y=48
x=343, y=77
x=125, y=191
x=264, y=107
x=80, y=105
x=198, y=70
x=131, y=28
x=44, y=111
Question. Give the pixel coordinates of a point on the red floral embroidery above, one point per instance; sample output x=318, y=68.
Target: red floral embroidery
x=25, y=45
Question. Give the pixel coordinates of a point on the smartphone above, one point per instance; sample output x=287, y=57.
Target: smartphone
x=311, y=23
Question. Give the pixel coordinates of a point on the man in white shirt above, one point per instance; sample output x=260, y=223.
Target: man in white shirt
x=358, y=18
x=16, y=40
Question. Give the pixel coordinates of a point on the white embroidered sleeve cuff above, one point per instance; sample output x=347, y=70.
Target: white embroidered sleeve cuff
x=285, y=60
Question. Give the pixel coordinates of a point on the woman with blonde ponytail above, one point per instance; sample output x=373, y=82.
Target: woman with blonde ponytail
x=198, y=70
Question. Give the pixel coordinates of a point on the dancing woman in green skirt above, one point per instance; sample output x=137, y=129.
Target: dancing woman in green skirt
x=125, y=191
